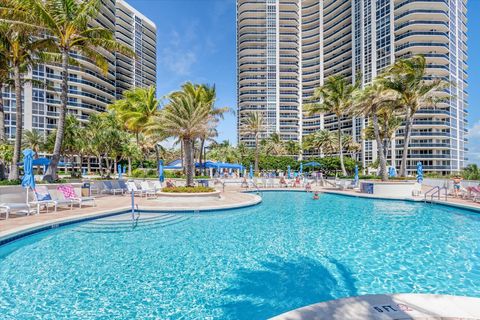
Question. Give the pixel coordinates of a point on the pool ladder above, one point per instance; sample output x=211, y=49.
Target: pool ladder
x=255, y=186
x=133, y=210
x=436, y=191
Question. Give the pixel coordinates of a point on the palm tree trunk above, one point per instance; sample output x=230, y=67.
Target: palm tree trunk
x=406, y=142
x=187, y=144
x=13, y=175
x=340, y=149
x=256, y=154
x=129, y=166
x=89, y=168
x=380, y=146
x=200, y=157
x=52, y=169
x=100, y=165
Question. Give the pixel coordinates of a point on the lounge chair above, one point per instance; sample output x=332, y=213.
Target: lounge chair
x=44, y=198
x=156, y=185
x=122, y=185
x=110, y=188
x=68, y=192
x=147, y=189
x=14, y=203
x=132, y=187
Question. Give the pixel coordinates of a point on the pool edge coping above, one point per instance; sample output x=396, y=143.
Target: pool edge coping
x=33, y=228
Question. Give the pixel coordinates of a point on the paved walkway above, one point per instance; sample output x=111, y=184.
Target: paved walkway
x=390, y=307
x=107, y=204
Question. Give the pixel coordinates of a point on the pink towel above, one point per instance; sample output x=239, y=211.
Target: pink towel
x=68, y=191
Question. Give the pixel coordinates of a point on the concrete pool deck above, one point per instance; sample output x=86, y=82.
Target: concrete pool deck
x=107, y=205
x=390, y=307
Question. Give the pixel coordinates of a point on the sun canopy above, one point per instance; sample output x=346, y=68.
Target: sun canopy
x=312, y=164
x=38, y=162
x=219, y=165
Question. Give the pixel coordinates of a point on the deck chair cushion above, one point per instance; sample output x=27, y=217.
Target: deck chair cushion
x=42, y=193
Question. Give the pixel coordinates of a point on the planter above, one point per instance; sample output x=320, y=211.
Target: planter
x=389, y=189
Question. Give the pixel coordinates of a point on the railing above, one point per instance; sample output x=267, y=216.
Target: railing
x=436, y=191
x=255, y=186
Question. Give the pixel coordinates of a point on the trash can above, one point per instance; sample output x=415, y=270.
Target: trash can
x=86, y=189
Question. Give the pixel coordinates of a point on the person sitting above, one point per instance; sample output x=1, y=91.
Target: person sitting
x=316, y=196
x=170, y=183
x=297, y=182
x=308, y=187
x=244, y=183
x=283, y=183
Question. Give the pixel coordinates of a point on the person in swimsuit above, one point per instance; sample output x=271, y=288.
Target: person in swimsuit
x=316, y=196
x=456, y=185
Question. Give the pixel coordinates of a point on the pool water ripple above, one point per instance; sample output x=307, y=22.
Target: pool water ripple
x=250, y=263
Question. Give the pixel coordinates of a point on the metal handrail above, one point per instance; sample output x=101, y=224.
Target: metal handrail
x=255, y=185
x=426, y=193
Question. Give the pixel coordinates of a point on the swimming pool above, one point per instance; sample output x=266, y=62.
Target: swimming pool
x=251, y=263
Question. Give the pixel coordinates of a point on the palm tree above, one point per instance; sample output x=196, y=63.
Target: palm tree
x=70, y=23
x=324, y=141
x=22, y=47
x=335, y=96
x=406, y=76
x=253, y=124
x=292, y=148
x=187, y=117
x=273, y=145
x=136, y=108
x=369, y=102
x=4, y=77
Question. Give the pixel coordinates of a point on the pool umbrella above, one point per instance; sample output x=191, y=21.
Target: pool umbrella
x=161, y=176
x=392, y=172
x=419, y=172
x=288, y=172
x=119, y=170
x=251, y=172
x=28, y=180
x=301, y=168
x=355, y=177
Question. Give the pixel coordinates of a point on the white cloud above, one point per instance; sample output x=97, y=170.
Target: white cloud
x=180, y=53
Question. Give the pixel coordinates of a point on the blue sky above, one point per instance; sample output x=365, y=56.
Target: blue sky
x=196, y=42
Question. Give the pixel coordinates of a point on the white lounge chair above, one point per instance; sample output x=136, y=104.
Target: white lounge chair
x=14, y=203
x=149, y=191
x=68, y=192
x=132, y=187
x=44, y=198
x=110, y=188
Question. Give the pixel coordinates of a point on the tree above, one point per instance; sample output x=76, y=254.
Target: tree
x=253, y=124
x=407, y=77
x=292, y=148
x=34, y=140
x=22, y=48
x=70, y=23
x=4, y=78
x=324, y=141
x=369, y=102
x=335, y=96
x=273, y=145
x=187, y=117
x=136, y=108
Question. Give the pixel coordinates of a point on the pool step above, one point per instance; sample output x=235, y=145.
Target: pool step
x=127, y=225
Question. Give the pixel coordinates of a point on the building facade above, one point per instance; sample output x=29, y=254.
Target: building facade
x=287, y=48
x=90, y=91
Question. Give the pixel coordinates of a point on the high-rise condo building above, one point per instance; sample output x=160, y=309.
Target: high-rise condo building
x=287, y=48
x=90, y=91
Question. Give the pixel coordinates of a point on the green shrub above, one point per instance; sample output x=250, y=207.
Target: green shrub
x=10, y=182
x=199, y=189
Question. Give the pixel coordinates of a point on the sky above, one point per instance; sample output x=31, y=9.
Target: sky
x=196, y=42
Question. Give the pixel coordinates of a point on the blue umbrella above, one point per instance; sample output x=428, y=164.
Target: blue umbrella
x=251, y=172
x=28, y=180
x=419, y=172
x=301, y=167
x=288, y=172
x=161, y=176
x=355, y=177
x=119, y=170
x=124, y=169
x=392, y=172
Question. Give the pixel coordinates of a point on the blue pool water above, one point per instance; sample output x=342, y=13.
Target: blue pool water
x=251, y=263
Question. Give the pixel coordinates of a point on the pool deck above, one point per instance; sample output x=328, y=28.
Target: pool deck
x=106, y=205
x=390, y=307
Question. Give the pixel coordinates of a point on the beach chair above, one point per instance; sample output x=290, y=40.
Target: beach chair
x=14, y=203
x=132, y=187
x=110, y=188
x=148, y=191
x=44, y=198
x=68, y=192
x=122, y=185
